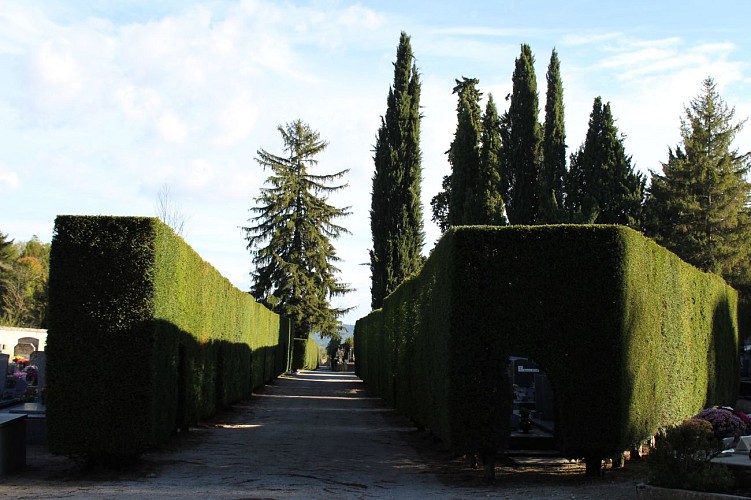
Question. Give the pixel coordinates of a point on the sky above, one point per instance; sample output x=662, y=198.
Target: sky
x=105, y=103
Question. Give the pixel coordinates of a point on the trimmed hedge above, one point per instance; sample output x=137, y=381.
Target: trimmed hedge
x=305, y=354
x=145, y=337
x=632, y=338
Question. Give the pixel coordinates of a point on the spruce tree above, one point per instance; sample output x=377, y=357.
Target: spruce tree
x=553, y=169
x=603, y=187
x=464, y=154
x=522, y=144
x=698, y=206
x=290, y=239
x=396, y=211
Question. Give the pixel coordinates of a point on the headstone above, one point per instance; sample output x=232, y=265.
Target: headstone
x=4, y=359
x=30, y=340
x=39, y=359
x=24, y=350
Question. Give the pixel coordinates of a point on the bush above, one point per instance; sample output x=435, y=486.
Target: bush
x=681, y=459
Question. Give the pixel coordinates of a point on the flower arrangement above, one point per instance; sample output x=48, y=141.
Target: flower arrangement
x=725, y=422
x=32, y=374
x=20, y=361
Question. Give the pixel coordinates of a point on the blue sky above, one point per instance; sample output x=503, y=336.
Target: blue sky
x=104, y=102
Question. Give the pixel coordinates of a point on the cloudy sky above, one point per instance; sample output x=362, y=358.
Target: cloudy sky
x=102, y=103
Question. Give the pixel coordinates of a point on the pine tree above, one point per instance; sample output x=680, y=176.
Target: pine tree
x=290, y=239
x=603, y=187
x=464, y=154
x=698, y=206
x=521, y=144
x=553, y=169
x=396, y=210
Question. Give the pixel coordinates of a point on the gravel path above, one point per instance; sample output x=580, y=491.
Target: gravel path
x=312, y=435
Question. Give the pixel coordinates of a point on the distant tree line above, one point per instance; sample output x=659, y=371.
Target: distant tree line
x=24, y=273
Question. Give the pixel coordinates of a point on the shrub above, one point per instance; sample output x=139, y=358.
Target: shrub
x=681, y=459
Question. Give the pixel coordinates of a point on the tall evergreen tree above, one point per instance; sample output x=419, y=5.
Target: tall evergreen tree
x=464, y=154
x=553, y=169
x=290, y=239
x=698, y=207
x=522, y=143
x=396, y=210
x=603, y=187
x=488, y=190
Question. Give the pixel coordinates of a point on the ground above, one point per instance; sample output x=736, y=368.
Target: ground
x=312, y=435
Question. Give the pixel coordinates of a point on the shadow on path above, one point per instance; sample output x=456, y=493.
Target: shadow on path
x=314, y=434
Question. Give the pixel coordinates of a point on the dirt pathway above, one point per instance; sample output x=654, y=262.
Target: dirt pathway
x=311, y=435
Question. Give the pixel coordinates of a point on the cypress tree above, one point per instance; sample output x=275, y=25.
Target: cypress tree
x=396, y=211
x=521, y=144
x=698, y=207
x=488, y=189
x=464, y=154
x=290, y=239
x=553, y=169
x=603, y=187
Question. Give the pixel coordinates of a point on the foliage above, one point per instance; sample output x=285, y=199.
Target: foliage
x=698, y=206
x=305, y=354
x=603, y=187
x=396, y=210
x=438, y=347
x=24, y=271
x=291, y=235
x=167, y=340
x=553, y=168
x=522, y=144
x=725, y=423
x=439, y=205
x=475, y=156
x=464, y=153
x=681, y=459
x=490, y=209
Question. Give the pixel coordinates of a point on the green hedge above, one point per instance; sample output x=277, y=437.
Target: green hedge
x=632, y=338
x=305, y=354
x=145, y=337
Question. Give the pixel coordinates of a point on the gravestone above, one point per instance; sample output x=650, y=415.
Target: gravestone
x=30, y=340
x=4, y=359
x=39, y=359
x=24, y=350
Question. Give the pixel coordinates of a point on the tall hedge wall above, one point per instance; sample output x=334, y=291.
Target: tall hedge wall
x=145, y=337
x=305, y=354
x=631, y=337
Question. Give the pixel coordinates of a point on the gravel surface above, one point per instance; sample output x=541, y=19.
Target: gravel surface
x=311, y=435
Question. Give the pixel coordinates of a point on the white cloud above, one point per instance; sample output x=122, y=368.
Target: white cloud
x=171, y=127
x=357, y=16
x=236, y=119
x=57, y=72
x=9, y=180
